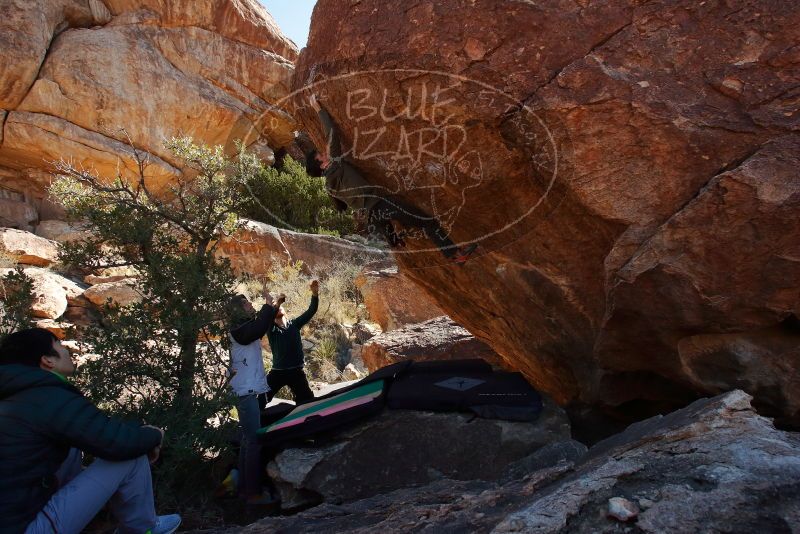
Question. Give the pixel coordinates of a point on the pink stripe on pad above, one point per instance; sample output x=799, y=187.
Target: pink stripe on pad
x=327, y=411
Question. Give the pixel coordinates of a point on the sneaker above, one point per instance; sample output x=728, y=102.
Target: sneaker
x=462, y=254
x=166, y=524
x=230, y=485
x=264, y=499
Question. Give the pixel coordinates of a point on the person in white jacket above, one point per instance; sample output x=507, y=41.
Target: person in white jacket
x=249, y=383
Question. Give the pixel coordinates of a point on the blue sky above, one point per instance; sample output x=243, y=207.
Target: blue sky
x=293, y=17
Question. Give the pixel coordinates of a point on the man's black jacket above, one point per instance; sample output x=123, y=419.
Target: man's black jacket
x=41, y=418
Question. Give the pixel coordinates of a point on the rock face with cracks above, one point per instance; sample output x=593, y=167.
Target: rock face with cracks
x=392, y=300
x=714, y=466
x=258, y=248
x=28, y=248
x=407, y=448
x=76, y=72
x=629, y=171
x=436, y=339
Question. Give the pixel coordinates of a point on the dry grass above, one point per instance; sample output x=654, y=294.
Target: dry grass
x=340, y=303
x=340, y=299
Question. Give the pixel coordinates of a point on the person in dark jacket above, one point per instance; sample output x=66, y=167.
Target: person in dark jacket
x=348, y=188
x=287, y=351
x=249, y=383
x=45, y=423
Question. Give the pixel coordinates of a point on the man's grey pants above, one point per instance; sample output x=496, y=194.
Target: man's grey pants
x=83, y=493
x=249, y=447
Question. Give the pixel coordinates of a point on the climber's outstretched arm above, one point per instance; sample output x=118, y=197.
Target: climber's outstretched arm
x=331, y=132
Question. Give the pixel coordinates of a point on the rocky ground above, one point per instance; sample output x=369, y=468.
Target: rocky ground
x=628, y=169
x=402, y=448
x=714, y=466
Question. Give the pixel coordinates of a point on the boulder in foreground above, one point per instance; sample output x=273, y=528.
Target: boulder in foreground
x=629, y=170
x=714, y=466
x=437, y=339
x=401, y=448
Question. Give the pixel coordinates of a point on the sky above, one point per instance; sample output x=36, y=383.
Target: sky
x=293, y=17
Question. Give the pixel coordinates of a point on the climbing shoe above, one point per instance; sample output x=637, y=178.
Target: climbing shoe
x=266, y=498
x=166, y=524
x=462, y=254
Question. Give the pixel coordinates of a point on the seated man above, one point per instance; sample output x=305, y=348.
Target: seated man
x=287, y=351
x=45, y=423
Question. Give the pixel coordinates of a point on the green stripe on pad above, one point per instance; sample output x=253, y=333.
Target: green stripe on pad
x=301, y=411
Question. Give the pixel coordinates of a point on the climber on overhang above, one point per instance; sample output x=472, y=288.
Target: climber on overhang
x=348, y=188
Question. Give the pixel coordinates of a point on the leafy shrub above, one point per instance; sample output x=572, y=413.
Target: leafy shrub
x=16, y=293
x=289, y=198
x=321, y=363
x=157, y=360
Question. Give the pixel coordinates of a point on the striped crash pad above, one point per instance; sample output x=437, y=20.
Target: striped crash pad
x=333, y=408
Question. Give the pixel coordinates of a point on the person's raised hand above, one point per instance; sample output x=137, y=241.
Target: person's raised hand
x=153, y=455
x=268, y=298
x=281, y=299
x=315, y=287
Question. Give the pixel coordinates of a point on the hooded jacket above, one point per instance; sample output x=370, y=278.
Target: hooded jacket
x=42, y=416
x=246, y=360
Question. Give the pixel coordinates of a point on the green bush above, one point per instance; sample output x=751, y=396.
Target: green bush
x=158, y=360
x=289, y=198
x=321, y=363
x=16, y=293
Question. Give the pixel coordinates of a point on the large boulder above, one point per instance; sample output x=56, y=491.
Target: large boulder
x=60, y=231
x=403, y=448
x=320, y=253
x=120, y=292
x=110, y=274
x=28, y=248
x=28, y=29
x=715, y=466
x=392, y=299
x=80, y=71
x=437, y=339
x=242, y=21
x=628, y=169
x=81, y=316
x=257, y=248
x=52, y=292
x=60, y=329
